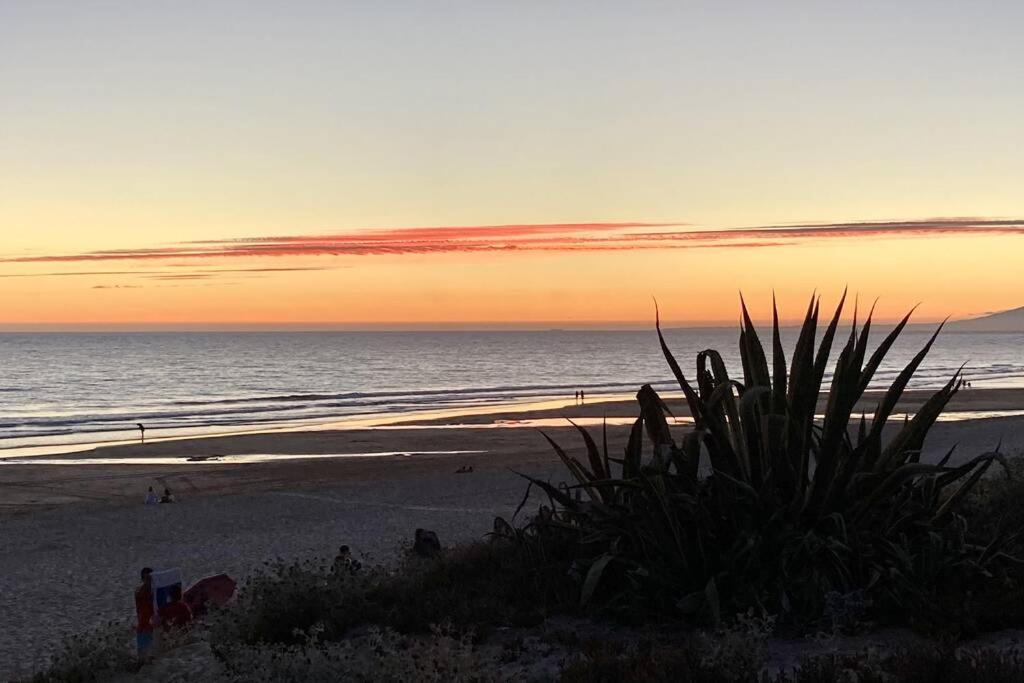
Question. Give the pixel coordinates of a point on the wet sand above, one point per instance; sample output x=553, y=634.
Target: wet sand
x=504, y=439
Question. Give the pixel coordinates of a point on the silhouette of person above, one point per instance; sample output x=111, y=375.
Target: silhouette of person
x=582, y=398
x=577, y=398
x=142, y=432
x=144, y=613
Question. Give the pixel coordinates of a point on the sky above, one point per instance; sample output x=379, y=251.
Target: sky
x=476, y=164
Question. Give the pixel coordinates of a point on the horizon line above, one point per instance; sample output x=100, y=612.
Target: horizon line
x=396, y=326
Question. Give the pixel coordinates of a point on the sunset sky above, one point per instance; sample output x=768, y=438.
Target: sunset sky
x=476, y=164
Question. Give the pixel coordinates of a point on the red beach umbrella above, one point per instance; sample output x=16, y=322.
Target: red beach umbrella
x=216, y=590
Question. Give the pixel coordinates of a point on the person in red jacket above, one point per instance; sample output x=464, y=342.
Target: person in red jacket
x=144, y=613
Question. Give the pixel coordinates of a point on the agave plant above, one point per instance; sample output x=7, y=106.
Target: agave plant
x=763, y=504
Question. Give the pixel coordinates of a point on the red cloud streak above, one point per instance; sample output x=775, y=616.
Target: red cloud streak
x=569, y=237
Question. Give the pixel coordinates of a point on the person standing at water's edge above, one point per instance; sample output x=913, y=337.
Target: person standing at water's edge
x=144, y=613
x=142, y=432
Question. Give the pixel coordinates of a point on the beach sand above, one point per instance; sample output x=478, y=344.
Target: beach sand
x=75, y=536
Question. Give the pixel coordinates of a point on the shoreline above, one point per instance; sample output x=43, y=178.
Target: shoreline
x=967, y=404
x=396, y=446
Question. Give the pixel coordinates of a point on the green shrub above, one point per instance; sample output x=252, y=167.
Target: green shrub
x=471, y=587
x=667, y=663
x=377, y=655
x=95, y=655
x=760, y=505
x=926, y=665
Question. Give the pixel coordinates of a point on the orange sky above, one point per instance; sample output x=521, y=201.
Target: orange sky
x=562, y=274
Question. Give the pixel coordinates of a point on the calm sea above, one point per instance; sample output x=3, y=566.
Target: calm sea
x=83, y=388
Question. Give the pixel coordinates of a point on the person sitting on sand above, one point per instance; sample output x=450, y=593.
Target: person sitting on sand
x=168, y=497
x=426, y=543
x=151, y=498
x=144, y=613
x=344, y=563
x=175, y=614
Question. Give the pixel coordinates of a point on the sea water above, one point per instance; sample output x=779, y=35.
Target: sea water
x=80, y=388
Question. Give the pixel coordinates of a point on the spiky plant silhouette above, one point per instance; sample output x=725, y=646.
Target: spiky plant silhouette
x=764, y=505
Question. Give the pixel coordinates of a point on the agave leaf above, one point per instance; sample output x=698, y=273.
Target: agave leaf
x=755, y=365
x=949, y=454
x=594, y=455
x=742, y=486
x=526, y=496
x=688, y=392
x=706, y=385
x=954, y=473
x=689, y=464
x=883, y=349
x=889, y=481
x=982, y=463
x=892, y=396
x=652, y=409
x=633, y=459
x=691, y=603
x=803, y=398
x=604, y=439
x=717, y=405
x=583, y=477
x=713, y=602
x=594, y=577
x=778, y=365
x=553, y=492
x=826, y=343
x=831, y=454
x=723, y=419
x=911, y=437
x=751, y=405
x=656, y=487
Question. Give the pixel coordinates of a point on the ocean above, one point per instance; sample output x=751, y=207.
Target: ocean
x=82, y=388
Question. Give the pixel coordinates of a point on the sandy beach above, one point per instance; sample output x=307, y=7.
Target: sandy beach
x=74, y=535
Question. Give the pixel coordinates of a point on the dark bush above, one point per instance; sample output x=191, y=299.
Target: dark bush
x=474, y=586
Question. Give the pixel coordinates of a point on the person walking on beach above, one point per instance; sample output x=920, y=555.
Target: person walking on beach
x=577, y=398
x=582, y=399
x=142, y=432
x=144, y=614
